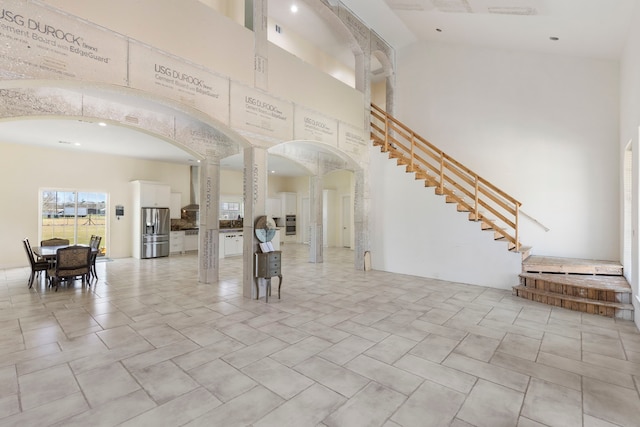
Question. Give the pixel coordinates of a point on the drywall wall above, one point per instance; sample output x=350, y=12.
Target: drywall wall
x=629, y=125
x=544, y=128
x=417, y=233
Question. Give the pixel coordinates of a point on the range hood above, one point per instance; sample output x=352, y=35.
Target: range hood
x=194, y=190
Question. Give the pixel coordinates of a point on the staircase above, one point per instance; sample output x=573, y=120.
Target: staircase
x=596, y=287
x=495, y=210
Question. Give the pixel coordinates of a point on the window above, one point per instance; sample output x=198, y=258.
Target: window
x=73, y=215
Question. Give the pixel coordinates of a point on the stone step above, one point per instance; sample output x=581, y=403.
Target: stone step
x=585, y=305
x=603, y=288
x=544, y=264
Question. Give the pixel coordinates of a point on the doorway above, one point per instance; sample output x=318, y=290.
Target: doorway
x=73, y=215
x=346, y=221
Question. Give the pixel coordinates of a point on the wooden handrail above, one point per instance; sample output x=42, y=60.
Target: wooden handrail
x=459, y=183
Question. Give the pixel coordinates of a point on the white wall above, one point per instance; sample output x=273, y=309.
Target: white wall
x=629, y=125
x=417, y=233
x=196, y=32
x=188, y=29
x=542, y=127
x=25, y=170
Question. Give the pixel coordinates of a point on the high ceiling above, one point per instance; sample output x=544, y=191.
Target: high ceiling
x=586, y=28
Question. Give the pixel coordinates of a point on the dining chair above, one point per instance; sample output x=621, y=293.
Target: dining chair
x=71, y=262
x=56, y=241
x=94, y=244
x=36, y=266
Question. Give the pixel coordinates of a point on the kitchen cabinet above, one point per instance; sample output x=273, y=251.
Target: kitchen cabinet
x=152, y=194
x=191, y=240
x=175, y=207
x=274, y=208
x=233, y=244
x=289, y=203
x=176, y=242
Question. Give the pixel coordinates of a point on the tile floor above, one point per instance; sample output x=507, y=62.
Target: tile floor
x=149, y=346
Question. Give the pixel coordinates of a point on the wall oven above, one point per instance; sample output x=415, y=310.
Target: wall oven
x=290, y=224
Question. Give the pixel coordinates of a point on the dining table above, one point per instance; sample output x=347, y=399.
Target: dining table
x=48, y=253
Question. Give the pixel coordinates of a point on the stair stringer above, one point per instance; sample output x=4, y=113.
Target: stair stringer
x=417, y=233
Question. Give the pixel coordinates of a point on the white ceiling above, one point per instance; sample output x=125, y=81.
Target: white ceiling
x=588, y=28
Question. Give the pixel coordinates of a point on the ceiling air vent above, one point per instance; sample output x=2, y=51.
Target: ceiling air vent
x=453, y=6
x=513, y=10
x=131, y=119
x=409, y=4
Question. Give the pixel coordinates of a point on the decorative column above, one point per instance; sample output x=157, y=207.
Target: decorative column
x=255, y=205
x=315, y=212
x=261, y=44
x=362, y=210
x=209, y=263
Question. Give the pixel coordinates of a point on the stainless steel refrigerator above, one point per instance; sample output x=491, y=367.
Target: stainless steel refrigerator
x=156, y=225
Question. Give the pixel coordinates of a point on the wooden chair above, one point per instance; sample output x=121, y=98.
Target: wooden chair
x=36, y=266
x=71, y=262
x=56, y=241
x=94, y=244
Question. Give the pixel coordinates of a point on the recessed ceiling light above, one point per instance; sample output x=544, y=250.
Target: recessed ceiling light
x=77, y=144
x=294, y=8
x=102, y=124
x=273, y=171
x=554, y=38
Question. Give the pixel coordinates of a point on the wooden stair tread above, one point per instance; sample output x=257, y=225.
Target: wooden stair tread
x=617, y=305
x=604, y=283
x=545, y=264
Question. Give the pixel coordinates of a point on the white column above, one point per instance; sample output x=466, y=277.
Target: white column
x=261, y=44
x=362, y=208
x=315, y=213
x=208, y=266
x=255, y=205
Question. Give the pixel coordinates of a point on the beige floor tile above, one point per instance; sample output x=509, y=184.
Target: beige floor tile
x=552, y=405
x=561, y=346
x=434, y=348
x=223, y=380
x=301, y=351
x=332, y=376
x=610, y=376
x=347, y=349
x=278, y=378
x=604, y=345
x=520, y=346
x=491, y=405
x=477, y=347
x=164, y=381
x=306, y=409
x=387, y=375
x=391, y=349
x=432, y=405
x=245, y=356
x=371, y=406
x=538, y=370
x=452, y=378
x=487, y=371
x=611, y=403
x=396, y=349
x=106, y=383
x=112, y=413
x=178, y=411
x=244, y=410
x=45, y=385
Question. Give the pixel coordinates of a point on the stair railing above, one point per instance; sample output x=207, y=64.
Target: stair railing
x=484, y=201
